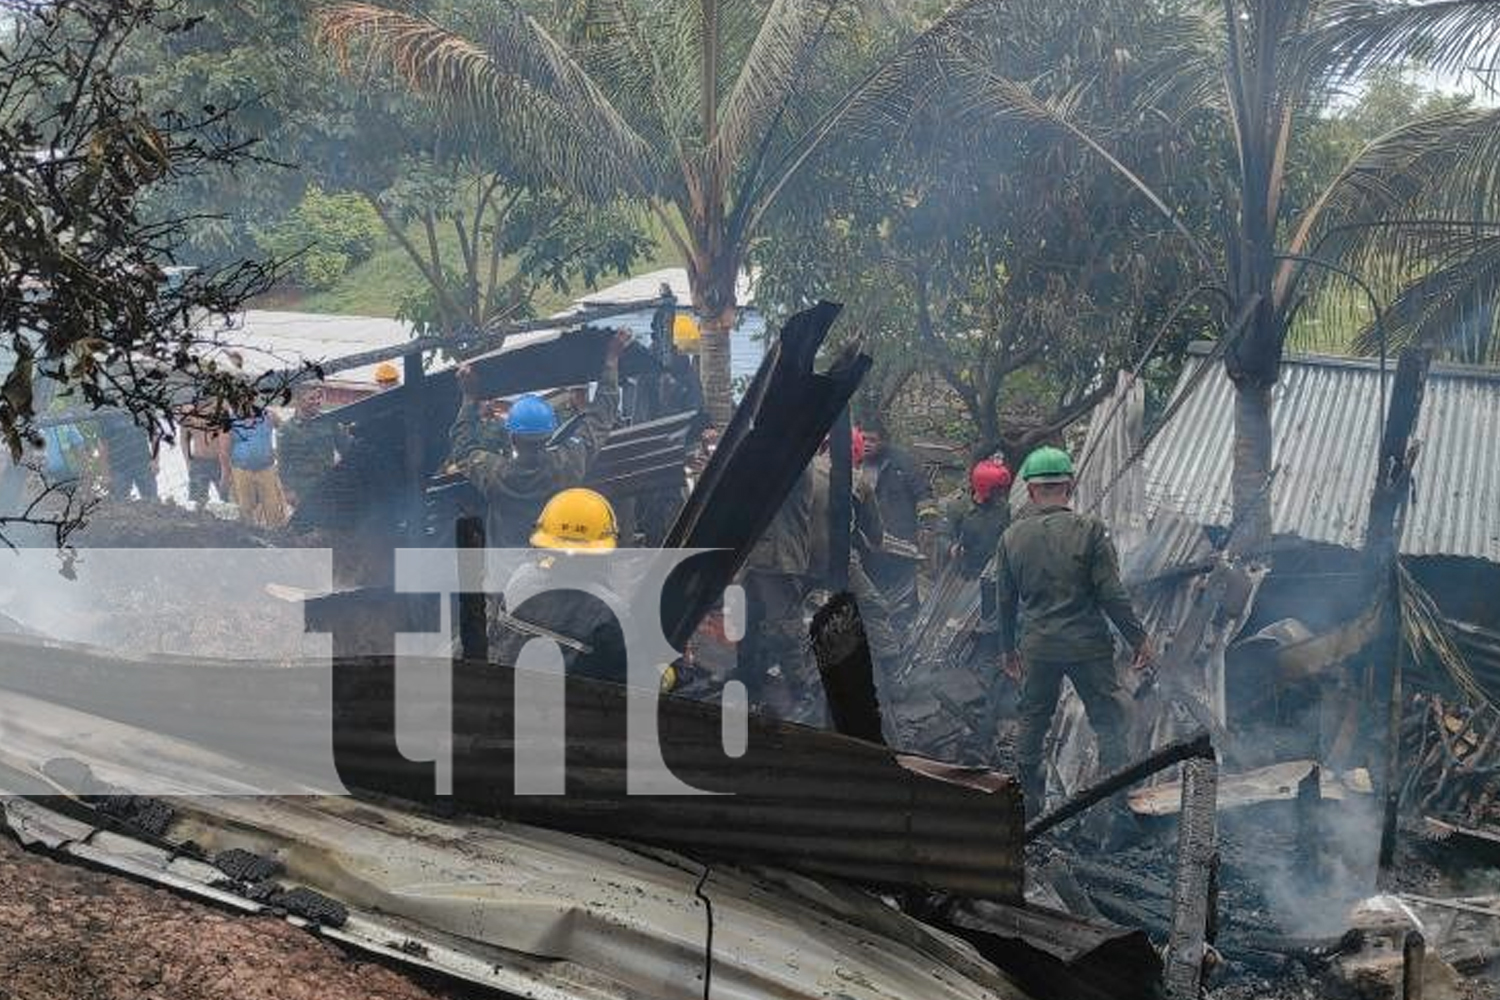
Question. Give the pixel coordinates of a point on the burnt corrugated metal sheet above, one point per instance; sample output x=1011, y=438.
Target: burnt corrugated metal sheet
x=533, y=913
x=1326, y=419
x=799, y=798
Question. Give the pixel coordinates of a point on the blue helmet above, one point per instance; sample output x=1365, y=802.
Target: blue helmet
x=531, y=416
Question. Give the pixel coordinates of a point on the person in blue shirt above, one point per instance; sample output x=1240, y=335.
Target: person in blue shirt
x=255, y=483
x=64, y=452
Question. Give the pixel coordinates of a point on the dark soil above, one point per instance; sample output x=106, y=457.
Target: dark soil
x=67, y=933
x=144, y=525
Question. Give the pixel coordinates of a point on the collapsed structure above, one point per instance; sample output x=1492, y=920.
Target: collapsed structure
x=815, y=820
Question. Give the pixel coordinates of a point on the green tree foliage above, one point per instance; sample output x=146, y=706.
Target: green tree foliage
x=324, y=236
x=483, y=238
x=90, y=305
x=1243, y=76
x=1009, y=263
x=704, y=110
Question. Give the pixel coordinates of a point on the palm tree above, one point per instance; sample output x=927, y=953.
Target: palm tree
x=703, y=110
x=1282, y=59
x=1416, y=211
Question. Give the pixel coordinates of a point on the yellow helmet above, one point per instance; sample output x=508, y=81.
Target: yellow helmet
x=576, y=520
x=685, y=332
x=386, y=373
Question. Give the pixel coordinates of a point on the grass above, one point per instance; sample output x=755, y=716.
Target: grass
x=377, y=286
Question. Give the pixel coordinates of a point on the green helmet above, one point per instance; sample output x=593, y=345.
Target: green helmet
x=1047, y=465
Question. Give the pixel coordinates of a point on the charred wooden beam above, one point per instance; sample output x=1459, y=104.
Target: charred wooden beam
x=1382, y=541
x=844, y=662
x=413, y=397
x=1197, y=747
x=1413, y=959
x=1192, y=899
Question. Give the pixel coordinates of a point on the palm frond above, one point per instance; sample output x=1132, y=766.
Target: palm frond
x=1452, y=307
x=951, y=66
x=520, y=78
x=624, y=49
x=1402, y=196
x=1449, y=36
x=881, y=103
x=777, y=62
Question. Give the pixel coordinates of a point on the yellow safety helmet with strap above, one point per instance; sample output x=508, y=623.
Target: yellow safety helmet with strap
x=386, y=373
x=576, y=520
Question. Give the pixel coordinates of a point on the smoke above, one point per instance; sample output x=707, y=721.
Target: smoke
x=1313, y=864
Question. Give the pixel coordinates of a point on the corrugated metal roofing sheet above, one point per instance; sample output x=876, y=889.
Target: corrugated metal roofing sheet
x=798, y=798
x=533, y=913
x=1326, y=424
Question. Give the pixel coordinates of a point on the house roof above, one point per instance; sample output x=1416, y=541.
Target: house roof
x=646, y=286
x=1326, y=422
x=271, y=340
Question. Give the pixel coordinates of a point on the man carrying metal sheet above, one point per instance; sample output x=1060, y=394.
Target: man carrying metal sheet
x=518, y=479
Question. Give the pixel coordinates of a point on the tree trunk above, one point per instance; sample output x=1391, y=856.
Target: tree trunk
x=718, y=393
x=1249, y=482
x=714, y=303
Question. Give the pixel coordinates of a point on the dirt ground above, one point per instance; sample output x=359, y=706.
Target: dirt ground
x=69, y=933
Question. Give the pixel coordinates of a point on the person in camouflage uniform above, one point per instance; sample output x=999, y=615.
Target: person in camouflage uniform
x=575, y=523
x=306, y=448
x=1058, y=581
x=519, y=478
x=901, y=491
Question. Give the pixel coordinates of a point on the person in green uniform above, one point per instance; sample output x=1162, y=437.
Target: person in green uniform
x=519, y=477
x=1058, y=583
x=976, y=522
x=306, y=448
x=775, y=581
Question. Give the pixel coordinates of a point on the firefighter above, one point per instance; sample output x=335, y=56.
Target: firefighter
x=575, y=523
x=976, y=524
x=1058, y=583
x=518, y=476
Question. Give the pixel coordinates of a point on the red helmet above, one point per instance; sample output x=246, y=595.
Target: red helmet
x=988, y=476
x=857, y=445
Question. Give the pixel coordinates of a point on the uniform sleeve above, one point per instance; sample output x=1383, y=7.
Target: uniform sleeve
x=485, y=469
x=1006, y=599
x=482, y=467
x=1110, y=592
x=578, y=453
x=463, y=436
